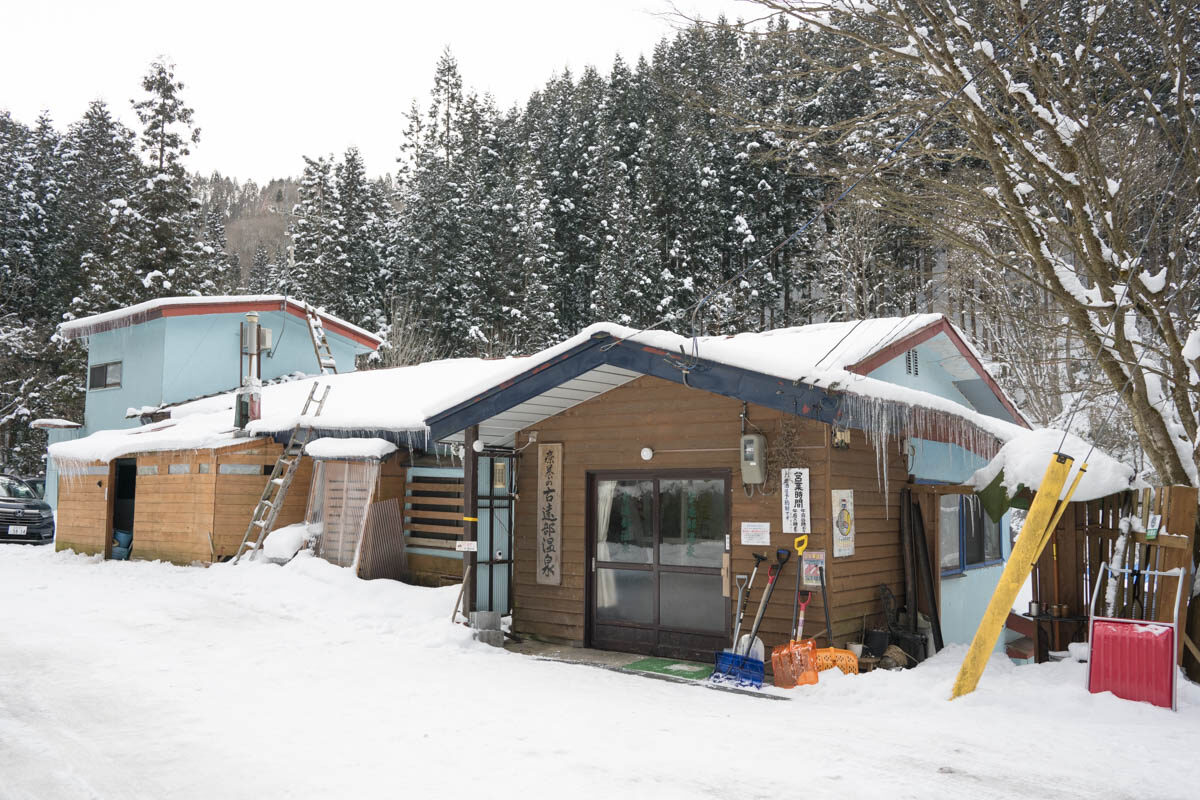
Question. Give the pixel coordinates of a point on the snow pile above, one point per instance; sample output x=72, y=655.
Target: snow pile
x=350, y=448
x=282, y=544
x=193, y=664
x=1024, y=457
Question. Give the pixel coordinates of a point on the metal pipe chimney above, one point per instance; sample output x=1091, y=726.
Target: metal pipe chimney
x=248, y=405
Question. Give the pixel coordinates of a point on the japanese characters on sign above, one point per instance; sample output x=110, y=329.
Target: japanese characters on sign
x=549, y=514
x=843, y=522
x=756, y=533
x=794, y=483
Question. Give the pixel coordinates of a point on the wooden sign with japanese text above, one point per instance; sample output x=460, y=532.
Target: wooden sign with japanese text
x=549, y=514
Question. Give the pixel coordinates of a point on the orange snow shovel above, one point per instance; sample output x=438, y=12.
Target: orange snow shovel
x=793, y=663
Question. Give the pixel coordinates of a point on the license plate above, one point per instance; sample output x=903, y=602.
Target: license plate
x=18, y=530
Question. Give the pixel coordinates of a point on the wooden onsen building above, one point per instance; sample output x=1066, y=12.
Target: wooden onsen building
x=186, y=486
x=632, y=512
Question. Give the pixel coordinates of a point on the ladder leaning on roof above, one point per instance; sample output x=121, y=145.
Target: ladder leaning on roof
x=267, y=510
x=316, y=330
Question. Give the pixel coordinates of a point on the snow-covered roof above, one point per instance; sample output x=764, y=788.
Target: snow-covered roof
x=353, y=448
x=833, y=356
x=400, y=403
x=368, y=401
x=43, y=424
x=212, y=304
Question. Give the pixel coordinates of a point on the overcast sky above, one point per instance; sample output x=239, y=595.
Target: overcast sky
x=271, y=82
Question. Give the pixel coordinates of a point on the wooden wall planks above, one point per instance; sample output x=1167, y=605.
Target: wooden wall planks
x=607, y=433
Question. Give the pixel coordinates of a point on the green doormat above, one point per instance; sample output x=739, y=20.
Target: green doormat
x=669, y=666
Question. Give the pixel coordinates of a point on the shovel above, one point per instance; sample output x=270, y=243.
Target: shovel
x=750, y=645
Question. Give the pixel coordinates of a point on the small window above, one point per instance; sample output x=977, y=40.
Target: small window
x=967, y=536
x=148, y=469
x=911, y=365
x=239, y=469
x=179, y=469
x=105, y=376
x=204, y=468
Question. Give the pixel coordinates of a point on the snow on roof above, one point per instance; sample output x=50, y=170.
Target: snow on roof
x=349, y=448
x=1024, y=459
x=397, y=399
x=402, y=399
x=54, y=423
x=198, y=304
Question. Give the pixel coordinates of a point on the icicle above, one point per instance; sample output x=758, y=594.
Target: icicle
x=881, y=419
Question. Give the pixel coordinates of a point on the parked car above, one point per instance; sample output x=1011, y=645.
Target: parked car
x=37, y=483
x=24, y=517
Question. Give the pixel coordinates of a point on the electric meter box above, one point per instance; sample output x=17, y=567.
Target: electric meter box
x=754, y=458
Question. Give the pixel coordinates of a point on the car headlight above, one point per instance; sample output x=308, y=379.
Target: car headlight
x=47, y=514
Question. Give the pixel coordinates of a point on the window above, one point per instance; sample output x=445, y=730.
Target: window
x=105, y=376
x=147, y=469
x=911, y=365
x=11, y=487
x=179, y=469
x=966, y=535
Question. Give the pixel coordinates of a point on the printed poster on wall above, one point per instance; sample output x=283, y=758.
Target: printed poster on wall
x=813, y=561
x=794, y=493
x=843, y=522
x=549, y=514
x=756, y=533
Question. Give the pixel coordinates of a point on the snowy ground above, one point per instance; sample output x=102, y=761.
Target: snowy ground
x=131, y=679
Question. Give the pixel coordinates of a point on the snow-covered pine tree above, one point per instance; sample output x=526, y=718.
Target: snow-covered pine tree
x=164, y=219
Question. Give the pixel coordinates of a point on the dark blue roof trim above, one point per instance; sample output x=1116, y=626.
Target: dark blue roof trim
x=710, y=376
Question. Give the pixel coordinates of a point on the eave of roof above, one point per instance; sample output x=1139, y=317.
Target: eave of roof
x=181, y=306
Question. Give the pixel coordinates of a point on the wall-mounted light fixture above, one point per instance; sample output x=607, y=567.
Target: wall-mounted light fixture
x=647, y=454
x=841, y=438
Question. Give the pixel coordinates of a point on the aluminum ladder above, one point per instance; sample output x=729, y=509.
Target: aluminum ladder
x=316, y=330
x=274, y=493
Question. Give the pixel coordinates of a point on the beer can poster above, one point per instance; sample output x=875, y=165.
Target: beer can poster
x=812, y=563
x=843, y=522
x=795, y=500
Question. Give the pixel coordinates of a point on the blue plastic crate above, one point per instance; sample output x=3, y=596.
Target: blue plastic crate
x=123, y=538
x=120, y=553
x=739, y=670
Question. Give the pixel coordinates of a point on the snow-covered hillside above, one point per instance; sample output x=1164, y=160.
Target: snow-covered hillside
x=145, y=680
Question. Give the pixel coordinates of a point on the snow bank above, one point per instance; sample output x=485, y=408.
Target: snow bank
x=349, y=448
x=54, y=422
x=104, y=699
x=1024, y=458
x=282, y=544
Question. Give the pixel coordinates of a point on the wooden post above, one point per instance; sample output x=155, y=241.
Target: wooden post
x=470, y=516
x=1179, y=519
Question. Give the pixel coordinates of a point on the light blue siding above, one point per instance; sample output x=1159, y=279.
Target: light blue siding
x=173, y=359
x=965, y=596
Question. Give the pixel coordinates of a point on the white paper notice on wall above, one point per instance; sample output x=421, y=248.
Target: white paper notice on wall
x=466, y=547
x=794, y=483
x=756, y=533
x=843, y=522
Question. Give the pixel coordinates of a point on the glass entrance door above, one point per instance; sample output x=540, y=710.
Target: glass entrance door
x=657, y=547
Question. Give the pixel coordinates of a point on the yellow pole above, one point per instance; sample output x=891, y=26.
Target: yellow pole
x=1020, y=563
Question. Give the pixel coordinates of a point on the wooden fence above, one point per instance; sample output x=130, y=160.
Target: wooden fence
x=1088, y=535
